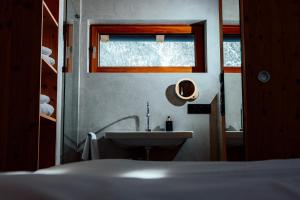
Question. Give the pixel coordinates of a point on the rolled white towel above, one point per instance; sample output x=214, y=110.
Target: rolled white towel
x=46, y=109
x=44, y=99
x=90, y=149
x=46, y=51
x=48, y=60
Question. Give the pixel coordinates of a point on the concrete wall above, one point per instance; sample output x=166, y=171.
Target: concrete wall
x=231, y=11
x=233, y=82
x=233, y=100
x=107, y=98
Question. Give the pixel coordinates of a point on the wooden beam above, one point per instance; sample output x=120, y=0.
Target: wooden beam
x=20, y=52
x=231, y=29
x=232, y=69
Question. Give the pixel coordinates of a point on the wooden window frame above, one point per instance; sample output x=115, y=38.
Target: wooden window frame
x=68, y=48
x=231, y=30
x=196, y=29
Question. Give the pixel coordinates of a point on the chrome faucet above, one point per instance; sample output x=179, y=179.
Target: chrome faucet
x=148, y=117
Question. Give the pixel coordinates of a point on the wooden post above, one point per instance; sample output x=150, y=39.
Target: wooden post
x=20, y=52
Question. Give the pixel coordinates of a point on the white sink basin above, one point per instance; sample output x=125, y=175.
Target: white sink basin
x=149, y=139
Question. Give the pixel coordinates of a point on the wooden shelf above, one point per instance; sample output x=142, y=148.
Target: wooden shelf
x=49, y=83
x=47, y=66
x=53, y=5
x=48, y=118
x=48, y=16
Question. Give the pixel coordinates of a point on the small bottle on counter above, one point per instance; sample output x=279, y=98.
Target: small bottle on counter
x=169, y=124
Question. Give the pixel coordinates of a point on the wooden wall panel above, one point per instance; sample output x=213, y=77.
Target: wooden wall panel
x=20, y=37
x=47, y=142
x=270, y=32
x=49, y=86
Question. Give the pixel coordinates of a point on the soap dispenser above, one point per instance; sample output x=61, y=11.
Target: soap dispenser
x=169, y=124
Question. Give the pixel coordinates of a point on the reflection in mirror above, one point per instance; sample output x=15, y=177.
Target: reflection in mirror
x=232, y=77
x=71, y=33
x=186, y=89
x=232, y=51
x=70, y=82
x=68, y=48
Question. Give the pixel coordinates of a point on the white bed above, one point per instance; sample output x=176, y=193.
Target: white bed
x=145, y=180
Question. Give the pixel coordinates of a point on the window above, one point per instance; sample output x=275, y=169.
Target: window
x=147, y=48
x=232, y=49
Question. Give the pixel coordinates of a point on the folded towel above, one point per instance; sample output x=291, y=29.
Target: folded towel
x=46, y=109
x=90, y=149
x=44, y=99
x=48, y=60
x=46, y=51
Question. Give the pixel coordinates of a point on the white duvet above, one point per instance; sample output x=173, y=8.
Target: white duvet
x=145, y=180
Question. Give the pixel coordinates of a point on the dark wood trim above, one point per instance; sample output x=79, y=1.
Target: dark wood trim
x=232, y=69
x=142, y=29
x=20, y=61
x=197, y=29
x=213, y=130
x=94, y=38
x=231, y=29
x=68, y=48
x=222, y=135
x=199, y=51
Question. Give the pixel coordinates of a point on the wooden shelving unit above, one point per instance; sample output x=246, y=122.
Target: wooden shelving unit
x=49, y=73
x=48, y=118
x=27, y=138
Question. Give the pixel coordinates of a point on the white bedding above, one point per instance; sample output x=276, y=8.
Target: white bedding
x=144, y=180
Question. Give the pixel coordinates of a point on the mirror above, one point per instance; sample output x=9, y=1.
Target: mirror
x=70, y=84
x=108, y=101
x=186, y=89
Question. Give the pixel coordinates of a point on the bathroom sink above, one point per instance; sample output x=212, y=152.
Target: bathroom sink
x=149, y=138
